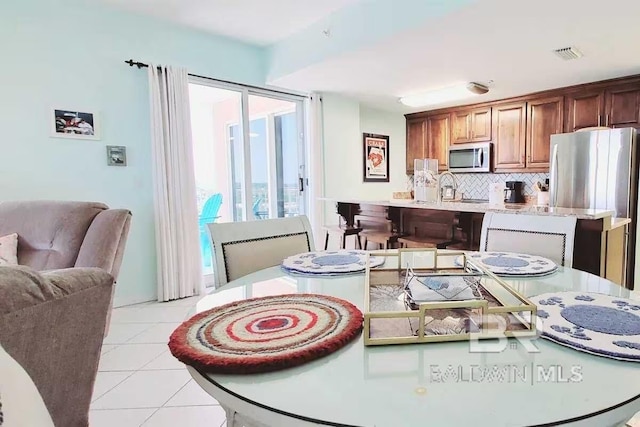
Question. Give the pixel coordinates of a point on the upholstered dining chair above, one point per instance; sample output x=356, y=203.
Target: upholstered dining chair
x=547, y=236
x=241, y=248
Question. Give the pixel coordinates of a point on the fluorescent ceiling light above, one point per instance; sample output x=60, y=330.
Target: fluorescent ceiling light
x=445, y=94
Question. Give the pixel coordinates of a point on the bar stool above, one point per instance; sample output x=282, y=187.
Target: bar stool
x=377, y=230
x=342, y=231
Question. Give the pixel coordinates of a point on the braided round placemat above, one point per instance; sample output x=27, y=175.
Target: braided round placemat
x=266, y=334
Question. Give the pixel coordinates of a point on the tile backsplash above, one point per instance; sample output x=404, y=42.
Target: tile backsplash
x=476, y=185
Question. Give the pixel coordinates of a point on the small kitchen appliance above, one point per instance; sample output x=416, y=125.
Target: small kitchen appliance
x=513, y=192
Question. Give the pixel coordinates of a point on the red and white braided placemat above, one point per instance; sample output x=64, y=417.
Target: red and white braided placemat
x=266, y=334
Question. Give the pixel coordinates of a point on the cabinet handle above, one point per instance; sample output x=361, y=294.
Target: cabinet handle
x=599, y=120
x=606, y=120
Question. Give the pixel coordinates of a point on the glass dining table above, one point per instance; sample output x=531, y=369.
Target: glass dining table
x=436, y=384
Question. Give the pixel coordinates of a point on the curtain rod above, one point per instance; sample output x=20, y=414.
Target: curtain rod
x=140, y=65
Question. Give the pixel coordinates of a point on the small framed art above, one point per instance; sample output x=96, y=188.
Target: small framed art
x=74, y=124
x=116, y=155
x=375, y=157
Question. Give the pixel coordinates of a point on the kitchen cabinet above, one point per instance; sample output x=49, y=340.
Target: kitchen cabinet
x=509, y=121
x=584, y=109
x=622, y=107
x=471, y=125
x=438, y=138
x=521, y=127
x=416, y=135
x=544, y=118
x=617, y=106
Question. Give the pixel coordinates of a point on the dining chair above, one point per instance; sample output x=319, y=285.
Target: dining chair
x=547, y=236
x=241, y=248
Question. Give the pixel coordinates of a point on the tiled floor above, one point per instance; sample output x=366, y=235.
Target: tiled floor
x=139, y=382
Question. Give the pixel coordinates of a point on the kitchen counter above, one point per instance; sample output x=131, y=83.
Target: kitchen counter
x=599, y=246
x=457, y=206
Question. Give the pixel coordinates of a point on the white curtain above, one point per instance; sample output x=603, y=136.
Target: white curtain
x=176, y=211
x=315, y=160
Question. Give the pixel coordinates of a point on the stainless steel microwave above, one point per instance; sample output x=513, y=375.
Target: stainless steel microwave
x=470, y=157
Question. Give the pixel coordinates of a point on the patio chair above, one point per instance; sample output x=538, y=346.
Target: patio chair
x=209, y=214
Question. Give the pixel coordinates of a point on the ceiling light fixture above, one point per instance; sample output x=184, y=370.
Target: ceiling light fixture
x=445, y=94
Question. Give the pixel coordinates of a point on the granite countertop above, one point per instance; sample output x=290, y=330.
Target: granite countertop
x=485, y=207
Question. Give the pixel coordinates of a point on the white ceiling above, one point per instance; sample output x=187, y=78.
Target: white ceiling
x=507, y=41
x=260, y=22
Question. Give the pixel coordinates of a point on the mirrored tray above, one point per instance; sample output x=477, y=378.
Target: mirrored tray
x=423, y=295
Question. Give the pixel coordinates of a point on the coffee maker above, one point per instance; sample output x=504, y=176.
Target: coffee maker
x=514, y=192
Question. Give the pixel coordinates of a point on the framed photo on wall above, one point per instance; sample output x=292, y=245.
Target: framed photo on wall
x=116, y=155
x=74, y=124
x=376, y=157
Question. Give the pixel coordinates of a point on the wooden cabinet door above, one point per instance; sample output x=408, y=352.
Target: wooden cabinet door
x=471, y=125
x=509, y=135
x=461, y=127
x=584, y=110
x=544, y=118
x=623, y=107
x=481, y=125
x=438, y=137
x=416, y=135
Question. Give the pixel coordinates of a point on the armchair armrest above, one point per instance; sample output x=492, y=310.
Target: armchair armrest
x=52, y=323
x=104, y=243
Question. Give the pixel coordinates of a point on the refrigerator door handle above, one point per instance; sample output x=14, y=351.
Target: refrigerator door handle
x=554, y=169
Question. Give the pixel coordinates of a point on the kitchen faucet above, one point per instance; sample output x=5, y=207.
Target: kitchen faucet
x=455, y=184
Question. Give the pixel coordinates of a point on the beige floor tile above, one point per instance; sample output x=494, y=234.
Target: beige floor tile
x=158, y=333
x=119, y=417
x=164, y=361
x=191, y=395
x=105, y=381
x=187, y=416
x=120, y=333
x=143, y=389
x=130, y=357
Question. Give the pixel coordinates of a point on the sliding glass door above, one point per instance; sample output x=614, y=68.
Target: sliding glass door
x=248, y=156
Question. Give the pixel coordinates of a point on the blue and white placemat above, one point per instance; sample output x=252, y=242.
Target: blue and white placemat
x=593, y=323
x=330, y=262
x=512, y=264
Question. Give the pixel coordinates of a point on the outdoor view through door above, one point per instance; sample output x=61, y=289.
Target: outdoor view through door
x=241, y=135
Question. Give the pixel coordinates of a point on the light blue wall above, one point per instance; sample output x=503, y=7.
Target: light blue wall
x=345, y=120
x=70, y=55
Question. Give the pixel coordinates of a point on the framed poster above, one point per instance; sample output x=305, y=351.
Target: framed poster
x=74, y=124
x=376, y=157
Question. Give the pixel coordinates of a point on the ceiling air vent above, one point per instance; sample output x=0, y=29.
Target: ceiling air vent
x=568, y=53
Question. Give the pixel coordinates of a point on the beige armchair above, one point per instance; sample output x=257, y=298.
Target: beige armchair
x=55, y=306
x=60, y=234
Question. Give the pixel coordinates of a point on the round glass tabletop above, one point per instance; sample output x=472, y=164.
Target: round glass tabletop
x=446, y=384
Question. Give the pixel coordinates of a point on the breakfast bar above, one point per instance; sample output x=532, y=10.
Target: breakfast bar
x=600, y=238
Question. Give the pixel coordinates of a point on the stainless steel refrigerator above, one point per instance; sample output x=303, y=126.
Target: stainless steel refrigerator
x=597, y=169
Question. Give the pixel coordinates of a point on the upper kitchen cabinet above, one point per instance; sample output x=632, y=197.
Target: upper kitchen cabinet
x=585, y=109
x=416, y=137
x=438, y=138
x=471, y=125
x=509, y=121
x=544, y=118
x=623, y=106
